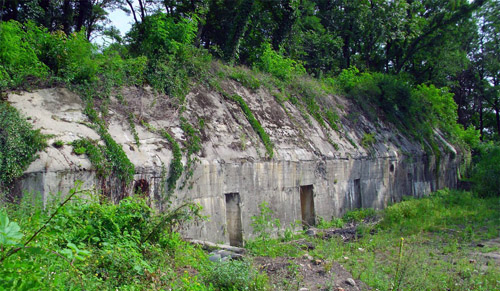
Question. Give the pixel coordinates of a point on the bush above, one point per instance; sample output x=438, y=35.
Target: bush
x=486, y=171
x=276, y=64
x=91, y=244
x=234, y=275
x=160, y=34
x=18, y=57
x=359, y=215
x=19, y=144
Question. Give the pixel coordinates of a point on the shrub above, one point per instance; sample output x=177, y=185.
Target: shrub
x=18, y=57
x=19, y=143
x=161, y=34
x=234, y=275
x=486, y=171
x=359, y=215
x=368, y=140
x=69, y=57
x=276, y=64
x=334, y=223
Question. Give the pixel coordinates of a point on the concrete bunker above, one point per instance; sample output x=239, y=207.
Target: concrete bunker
x=307, y=206
x=233, y=219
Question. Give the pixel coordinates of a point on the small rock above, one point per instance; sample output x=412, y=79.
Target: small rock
x=224, y=253
x=346, y=258
x=350, y=281
x=361, y=249
x=215, y=258
x=310, y=232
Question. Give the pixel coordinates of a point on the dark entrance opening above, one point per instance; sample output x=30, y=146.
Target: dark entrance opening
x=357, y=194
x=141, y=187
x=410, y=184
x=307, y=205
x=233, y=219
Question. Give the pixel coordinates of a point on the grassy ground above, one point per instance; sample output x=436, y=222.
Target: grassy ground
x=425, y=244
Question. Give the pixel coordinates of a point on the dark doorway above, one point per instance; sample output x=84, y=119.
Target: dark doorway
x=141, y=188
x=410, y=183
x=357, y=195
x=307, y=205
x=233, y=219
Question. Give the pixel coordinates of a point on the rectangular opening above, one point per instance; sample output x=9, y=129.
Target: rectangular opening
x=410, y=184
x=357, y=194
x=233, y=219
x=307, y=205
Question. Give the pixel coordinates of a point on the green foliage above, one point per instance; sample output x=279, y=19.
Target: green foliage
x=368, y=140
x=276, y=64
x=19, y=143
x=18, y=57
x=254, y=123
x=309, y=93
x=359, y=215
x=94, y=244
x=119, y=71
x=9, y=233
x=172, y=59
x=58, y=144
x=437, y=251
x=234, y=275
x=332, y=118
x=131, y=122
x=264, y=225
x=486, y=171
x=334, y=223
x=121, y=165
x=161, y=34
x=176, y=166
x=245, y=77
x=96, y=155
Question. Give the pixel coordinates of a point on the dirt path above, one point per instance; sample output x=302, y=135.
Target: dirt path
x=489, y=253
x=307, y=273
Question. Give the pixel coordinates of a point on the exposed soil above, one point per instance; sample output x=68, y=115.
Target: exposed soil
x=489, y=253
x=307, y=274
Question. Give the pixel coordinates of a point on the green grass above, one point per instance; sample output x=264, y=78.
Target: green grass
x=439, y=236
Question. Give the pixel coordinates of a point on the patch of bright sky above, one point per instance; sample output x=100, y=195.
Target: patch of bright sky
x=120, y=20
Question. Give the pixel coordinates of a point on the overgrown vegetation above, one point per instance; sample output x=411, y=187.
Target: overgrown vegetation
x=19, y=144
x=83, y=242
x=418, y=244
x=254, y=123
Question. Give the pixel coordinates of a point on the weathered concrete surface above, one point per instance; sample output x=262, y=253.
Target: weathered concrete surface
x=233, y=157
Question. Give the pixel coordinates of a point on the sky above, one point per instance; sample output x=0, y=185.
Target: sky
x=120, y=20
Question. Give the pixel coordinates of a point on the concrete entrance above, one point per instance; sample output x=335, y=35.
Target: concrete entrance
x=233, y=219
x=307, y=205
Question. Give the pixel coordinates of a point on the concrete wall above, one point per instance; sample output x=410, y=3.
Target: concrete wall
x=343, y=173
